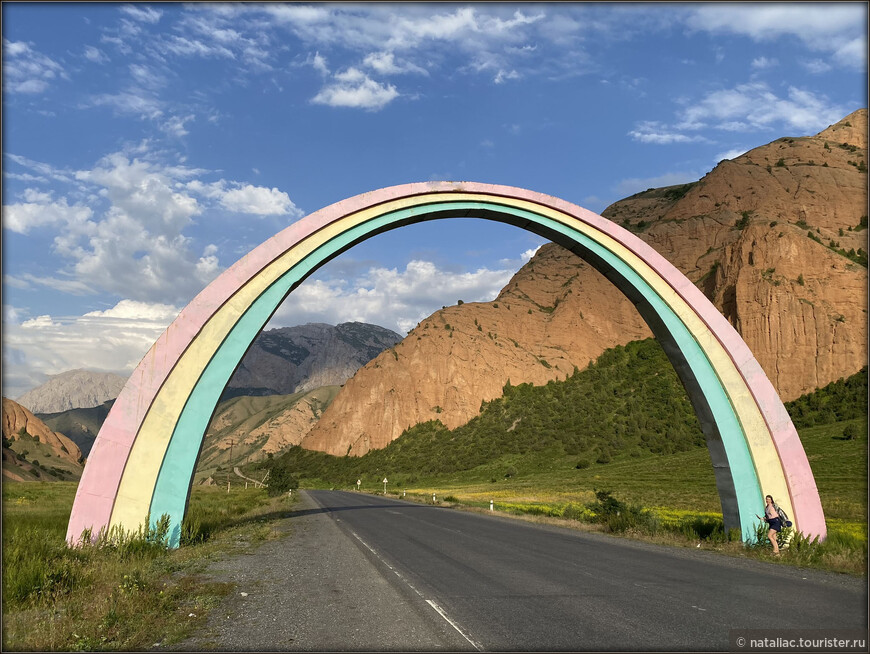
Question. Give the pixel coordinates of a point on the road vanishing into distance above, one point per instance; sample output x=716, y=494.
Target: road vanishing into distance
x=358, y=572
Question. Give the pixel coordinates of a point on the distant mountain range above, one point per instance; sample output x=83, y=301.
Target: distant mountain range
x=73, y=389
x=290, y=361
x=298, y=359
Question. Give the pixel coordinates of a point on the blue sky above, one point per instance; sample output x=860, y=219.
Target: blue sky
x=149, y=146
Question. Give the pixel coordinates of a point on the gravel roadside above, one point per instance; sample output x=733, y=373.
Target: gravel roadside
x=315, y=589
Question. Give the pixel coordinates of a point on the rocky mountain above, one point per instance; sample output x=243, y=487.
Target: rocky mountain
x=32, y=451
x=81, y=426
x=297, y=359
x=246, y=429
x=290, y=360
x=776, y=238
x=73, y=389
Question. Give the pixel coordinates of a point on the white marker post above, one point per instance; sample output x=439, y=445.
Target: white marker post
x=385, y=486
x=433, y=498
x=490, y=505
x=358, y=482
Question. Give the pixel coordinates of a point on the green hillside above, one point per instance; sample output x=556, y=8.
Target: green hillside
x=236, y=418
x=629, y=403
x=624, y=423
x=81, y=426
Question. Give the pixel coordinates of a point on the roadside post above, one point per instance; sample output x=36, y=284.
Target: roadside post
x=490, y=505
x=358, y=482
x=385, y=486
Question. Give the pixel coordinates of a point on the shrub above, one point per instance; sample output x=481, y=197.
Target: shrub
x=618, y=516
x=280, y=481
x=851, y=432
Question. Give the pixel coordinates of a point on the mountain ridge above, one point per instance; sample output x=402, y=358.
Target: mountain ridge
x=73, y=389
x=776, y=238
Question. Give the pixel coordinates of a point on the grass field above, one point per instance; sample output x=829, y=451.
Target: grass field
x=123, y=595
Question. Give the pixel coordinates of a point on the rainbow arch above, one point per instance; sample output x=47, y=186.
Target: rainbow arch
x=144, y=457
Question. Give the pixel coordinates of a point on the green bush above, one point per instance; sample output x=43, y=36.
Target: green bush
x=618, y=516
x=281, y=480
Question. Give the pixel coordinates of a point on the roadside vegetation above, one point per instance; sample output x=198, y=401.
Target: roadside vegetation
x=127, y=591
x=623, y=427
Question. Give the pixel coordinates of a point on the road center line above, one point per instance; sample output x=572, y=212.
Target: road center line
x=431, y=603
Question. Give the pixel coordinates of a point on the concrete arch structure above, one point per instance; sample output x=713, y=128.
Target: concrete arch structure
x=143, y=460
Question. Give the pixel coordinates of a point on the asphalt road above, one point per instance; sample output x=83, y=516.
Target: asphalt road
x=509, y=585
x=358, y=572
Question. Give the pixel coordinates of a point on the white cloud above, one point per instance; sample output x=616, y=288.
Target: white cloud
x=853, y=53
x=318, y=62
x=420, y=38
x=27, y=71
x=39, y=211
x=44, y=169
x=188, y=47
x=175, y=125
x=27, y=281
x=246, y=198
x=114, y=340
x=136, y=248
x=634, y=185
x=142, y=13
x=133, y=101
x=763, y=62
x=816, y=66
x=353, y=88
x=147, y=77
x=24, y=177
x=393, y=298
x=659, y=134
x=730, y=154
x=95, y=55
x=259, y=200
x=385, y=63
x=502, y=75
x=754, y=106
x=820, y=26
x=40, y=322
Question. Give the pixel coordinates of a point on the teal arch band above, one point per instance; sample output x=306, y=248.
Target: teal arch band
x=736, y=478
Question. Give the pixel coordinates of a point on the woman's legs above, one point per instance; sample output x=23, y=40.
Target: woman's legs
x=771, y=534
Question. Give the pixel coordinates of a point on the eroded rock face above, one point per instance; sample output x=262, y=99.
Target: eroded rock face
x=16, y=417
x=740, y=234
x=73, y=389
x=297, y=359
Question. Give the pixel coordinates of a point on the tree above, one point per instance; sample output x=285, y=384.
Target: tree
x=280, y=481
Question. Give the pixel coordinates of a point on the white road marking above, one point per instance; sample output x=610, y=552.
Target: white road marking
x=461, y=631
x=431, y=603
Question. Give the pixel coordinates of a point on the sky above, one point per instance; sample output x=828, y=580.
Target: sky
x=147, y=147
